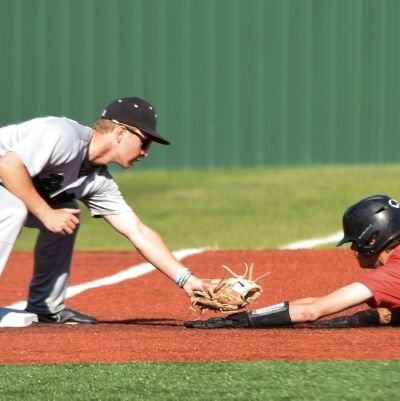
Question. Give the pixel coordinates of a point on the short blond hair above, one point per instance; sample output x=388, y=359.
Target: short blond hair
x=103, y=125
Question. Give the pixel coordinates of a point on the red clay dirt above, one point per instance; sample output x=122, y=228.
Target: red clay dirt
x=142, y=319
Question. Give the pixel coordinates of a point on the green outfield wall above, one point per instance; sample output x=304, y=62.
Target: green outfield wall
x=235, y=82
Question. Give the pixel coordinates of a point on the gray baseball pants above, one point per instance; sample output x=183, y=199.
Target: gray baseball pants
x=52, y=256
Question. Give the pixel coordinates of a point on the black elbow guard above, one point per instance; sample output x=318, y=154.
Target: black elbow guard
x=275, y=315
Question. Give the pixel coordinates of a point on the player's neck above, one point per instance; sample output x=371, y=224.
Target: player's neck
x=100, y=148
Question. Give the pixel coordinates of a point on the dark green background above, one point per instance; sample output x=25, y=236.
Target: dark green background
x=235, y=82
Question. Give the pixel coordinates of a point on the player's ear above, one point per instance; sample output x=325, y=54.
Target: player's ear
x=119, y=134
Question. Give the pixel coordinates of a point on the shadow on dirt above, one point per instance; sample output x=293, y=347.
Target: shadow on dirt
x=146, y=322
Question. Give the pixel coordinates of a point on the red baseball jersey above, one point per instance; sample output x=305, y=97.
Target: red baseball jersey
x=384, y=282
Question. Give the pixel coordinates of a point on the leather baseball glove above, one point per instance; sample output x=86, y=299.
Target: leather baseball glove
x=227, y=294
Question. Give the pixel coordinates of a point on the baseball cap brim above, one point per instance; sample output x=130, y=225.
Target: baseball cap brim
x=155, y=136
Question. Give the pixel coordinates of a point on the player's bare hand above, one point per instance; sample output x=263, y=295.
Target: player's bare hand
x=193, y=284
x=62, y=221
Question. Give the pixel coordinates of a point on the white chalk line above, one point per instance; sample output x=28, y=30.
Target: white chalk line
x=144, y=268
x=127, y=274
x=313, y=242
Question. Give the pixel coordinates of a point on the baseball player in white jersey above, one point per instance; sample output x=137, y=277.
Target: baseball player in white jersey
x=46, y=165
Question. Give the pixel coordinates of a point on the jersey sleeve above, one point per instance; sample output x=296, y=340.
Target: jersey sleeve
x=384, y=283
x=102, y=195
x=35, y=152
x=46, y=144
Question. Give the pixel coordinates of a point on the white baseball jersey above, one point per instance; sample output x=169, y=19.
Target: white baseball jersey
x=54, y=151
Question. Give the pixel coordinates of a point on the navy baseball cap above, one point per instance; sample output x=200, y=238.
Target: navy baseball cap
x=137, y=113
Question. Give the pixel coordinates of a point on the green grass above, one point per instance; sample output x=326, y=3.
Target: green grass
x=228, y=209
x=238, y=209
x=280, y=380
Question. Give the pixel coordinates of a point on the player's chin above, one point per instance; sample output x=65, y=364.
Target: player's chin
x=128, y=164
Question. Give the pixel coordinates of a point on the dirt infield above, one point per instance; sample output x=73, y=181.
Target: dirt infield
x=142, y=319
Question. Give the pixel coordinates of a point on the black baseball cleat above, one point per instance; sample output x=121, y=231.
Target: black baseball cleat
x=67, y=316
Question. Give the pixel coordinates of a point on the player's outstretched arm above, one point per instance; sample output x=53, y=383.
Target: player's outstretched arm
x=153, y=248
x=310, y=309
x=290, y=313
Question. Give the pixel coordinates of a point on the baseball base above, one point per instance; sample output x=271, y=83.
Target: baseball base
x=16, y=318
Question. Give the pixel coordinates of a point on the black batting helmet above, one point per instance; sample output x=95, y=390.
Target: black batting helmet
x=371, y=224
